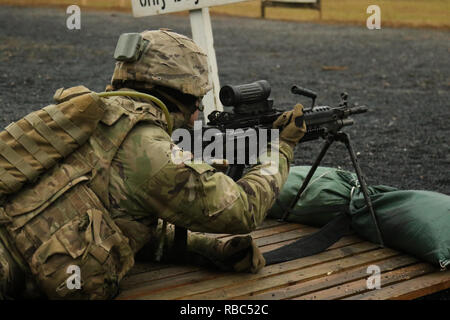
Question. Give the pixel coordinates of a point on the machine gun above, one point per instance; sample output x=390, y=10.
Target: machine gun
x=252, y=108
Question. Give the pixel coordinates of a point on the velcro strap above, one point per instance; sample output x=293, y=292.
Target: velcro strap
x=97, y=218
x=40, y=155
x=11, y=182
x=62, y=94
x=99, y=253
x=48, y=134
x=66, y=124
x=4, y=218
x=17, y=160
x=113, y=240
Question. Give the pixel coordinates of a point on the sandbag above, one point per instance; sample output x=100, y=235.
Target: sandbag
x=412, y=221
x=36, y=142
x=326, y=196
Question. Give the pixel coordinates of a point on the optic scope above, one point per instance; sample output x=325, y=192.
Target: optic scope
x=246, y=98
x=244, y=93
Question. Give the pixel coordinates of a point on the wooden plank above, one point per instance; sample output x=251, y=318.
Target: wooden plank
x=330, y=281
x=269, y=223
x=149, y=272
x=230, y=279
x=160, y=286
x=408, y=290
x=136, y=280
x=296, y=1
x=285, y=279
x=310, y=4
x=142, y=267
x=360, y=286
x=339, y=272
x=279, y=237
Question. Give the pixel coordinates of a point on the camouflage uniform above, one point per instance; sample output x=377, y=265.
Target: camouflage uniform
x=145, y=182
x=105, y=201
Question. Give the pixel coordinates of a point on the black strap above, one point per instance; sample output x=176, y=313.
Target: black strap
x=180, y=242
x=311, y=244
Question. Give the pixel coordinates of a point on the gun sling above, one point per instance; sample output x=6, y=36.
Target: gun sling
x=311, y=244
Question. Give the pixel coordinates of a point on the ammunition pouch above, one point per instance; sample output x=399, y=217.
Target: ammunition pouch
x=60, y=223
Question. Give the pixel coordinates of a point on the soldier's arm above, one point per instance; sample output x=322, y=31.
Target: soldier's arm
x=200, y=198
x=197, y=196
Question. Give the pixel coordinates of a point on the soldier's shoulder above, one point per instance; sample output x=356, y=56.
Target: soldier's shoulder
x=150, y=141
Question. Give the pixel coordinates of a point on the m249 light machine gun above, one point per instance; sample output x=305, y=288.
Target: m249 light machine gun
x=252, y=108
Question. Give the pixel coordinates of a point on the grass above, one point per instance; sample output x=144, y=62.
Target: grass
x=413, y=13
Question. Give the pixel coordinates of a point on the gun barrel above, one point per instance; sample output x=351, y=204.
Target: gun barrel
x=357, y=110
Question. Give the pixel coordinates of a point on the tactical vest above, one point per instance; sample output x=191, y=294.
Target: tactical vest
x=62, y=219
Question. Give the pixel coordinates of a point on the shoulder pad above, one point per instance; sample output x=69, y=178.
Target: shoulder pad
x=62, y=94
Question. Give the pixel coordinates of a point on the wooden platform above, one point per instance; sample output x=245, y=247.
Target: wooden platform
x=338, y=273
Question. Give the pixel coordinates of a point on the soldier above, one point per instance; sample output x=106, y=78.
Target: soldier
x=121, y=195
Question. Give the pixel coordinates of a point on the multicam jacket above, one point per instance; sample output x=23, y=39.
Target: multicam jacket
x=101, y=205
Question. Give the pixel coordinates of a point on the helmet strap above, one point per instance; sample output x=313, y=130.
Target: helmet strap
x=185, y=110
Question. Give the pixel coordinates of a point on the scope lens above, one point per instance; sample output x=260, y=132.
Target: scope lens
x=227, y=96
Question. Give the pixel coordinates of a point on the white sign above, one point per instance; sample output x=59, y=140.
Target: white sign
x=201, y=34
x=142, y=8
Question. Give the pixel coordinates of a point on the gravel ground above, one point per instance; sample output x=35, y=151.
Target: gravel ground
x=401, y=74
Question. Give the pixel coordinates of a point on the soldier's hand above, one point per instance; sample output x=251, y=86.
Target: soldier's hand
x=243, y=254
x=292, y=125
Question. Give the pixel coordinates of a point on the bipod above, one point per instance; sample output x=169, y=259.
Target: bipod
x=344, y=138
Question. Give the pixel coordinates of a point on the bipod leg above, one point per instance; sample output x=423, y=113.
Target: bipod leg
x=343, y=137
x=330, y=139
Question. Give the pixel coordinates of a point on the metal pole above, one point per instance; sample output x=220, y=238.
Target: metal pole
x=346, y=140
x=328, y=142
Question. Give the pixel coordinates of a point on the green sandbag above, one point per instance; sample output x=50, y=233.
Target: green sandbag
x=327, y=195
x=413, y=221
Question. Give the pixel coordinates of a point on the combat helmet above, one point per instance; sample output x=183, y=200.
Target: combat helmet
x=164, y=58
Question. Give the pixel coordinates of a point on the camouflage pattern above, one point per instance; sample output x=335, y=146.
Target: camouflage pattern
x=105, y=202
x=60, y=222
x=146, y=184
x=239, y=254
x=170, y=60
x=33, y=144
x=8, y=269
x=62, y=219
x=144, y=181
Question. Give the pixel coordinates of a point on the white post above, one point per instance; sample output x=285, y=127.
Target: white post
x=203, y=37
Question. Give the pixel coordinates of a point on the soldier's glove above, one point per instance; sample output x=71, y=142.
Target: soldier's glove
x=292, y=125
x=243, y=255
